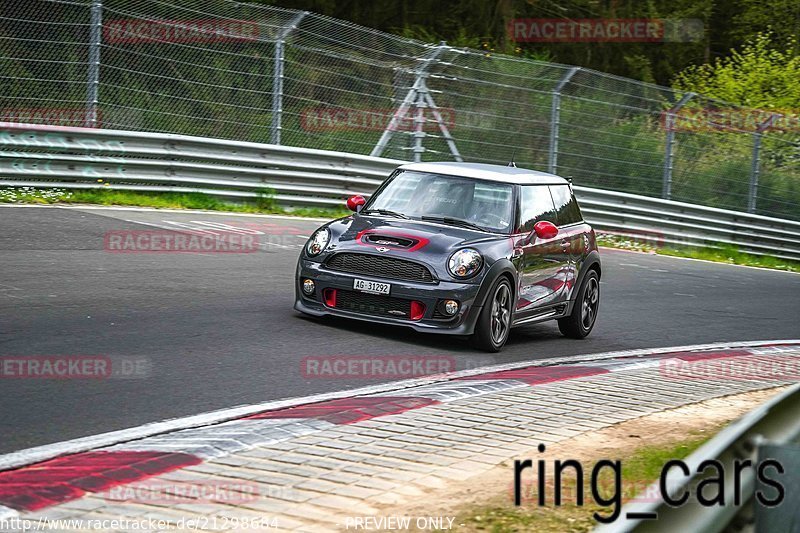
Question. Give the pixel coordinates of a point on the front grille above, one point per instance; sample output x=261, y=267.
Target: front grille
x=372, y=304
x=383, y=267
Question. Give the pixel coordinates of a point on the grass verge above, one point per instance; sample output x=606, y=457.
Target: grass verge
x=639, y=469
x=722, y=253
x=263, y=204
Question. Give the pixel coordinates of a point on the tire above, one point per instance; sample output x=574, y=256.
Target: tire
x=494, y=322
x=580, y=322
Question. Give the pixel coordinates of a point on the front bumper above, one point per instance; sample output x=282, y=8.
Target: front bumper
x=463, y=323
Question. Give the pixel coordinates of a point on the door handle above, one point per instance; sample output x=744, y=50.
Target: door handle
x=565, y=245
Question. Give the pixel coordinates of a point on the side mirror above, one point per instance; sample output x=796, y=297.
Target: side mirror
x=355, y=203
x=545, y=230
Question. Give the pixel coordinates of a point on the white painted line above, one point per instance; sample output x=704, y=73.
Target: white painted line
x=635, y=366
x=80, y=207
x=177, y=229
x=49, y=451
x=7, y=514
x=694, y=259
x=763, y=269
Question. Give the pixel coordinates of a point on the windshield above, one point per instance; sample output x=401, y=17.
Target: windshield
x=486, y=204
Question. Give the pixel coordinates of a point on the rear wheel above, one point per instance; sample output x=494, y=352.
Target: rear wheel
x=584, y=313
x=494, y=322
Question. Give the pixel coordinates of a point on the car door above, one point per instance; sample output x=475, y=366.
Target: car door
x=544, y=262
x=570, y=231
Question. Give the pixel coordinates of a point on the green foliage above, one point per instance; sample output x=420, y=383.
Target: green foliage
x=781, y=17
x=721, y=253
x=266, y=199
x=623, y=155
x=265, y=203
x=762, y=75
x=728, y=253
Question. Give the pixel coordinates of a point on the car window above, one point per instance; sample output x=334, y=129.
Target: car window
x=487, y=204
x=567, y=210
x=401, y=190
x=536, y=204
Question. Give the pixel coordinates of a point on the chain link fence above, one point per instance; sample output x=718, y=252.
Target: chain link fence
x=230, y=70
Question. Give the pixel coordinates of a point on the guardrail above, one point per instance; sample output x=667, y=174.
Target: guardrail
x=770, y=431
x=52, y=156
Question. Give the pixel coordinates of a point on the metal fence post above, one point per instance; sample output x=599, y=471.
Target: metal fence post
x=277, y=78
x=93, y=82
x=755, y=170
x=419, y=125
x=555, y=120
x=666, y=191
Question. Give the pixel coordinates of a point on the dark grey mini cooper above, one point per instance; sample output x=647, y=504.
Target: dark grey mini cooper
x=460, y=249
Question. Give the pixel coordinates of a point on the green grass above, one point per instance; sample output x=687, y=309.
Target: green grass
x=731, y=254
x=722, y=253
x=638, y=470
x=264, y=204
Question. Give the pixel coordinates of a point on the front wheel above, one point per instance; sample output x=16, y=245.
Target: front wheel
x=494, y=322
x=584, y=313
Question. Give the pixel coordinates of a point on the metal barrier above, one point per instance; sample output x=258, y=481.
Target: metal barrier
x=773, y=427
x=246, y=71
x=83, y=158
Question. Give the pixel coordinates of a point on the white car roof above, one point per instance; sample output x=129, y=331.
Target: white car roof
x=520, y=176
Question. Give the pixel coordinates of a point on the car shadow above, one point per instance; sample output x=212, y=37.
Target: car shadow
x=460, y=344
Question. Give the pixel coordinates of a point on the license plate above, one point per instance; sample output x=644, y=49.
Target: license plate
x=371, y=286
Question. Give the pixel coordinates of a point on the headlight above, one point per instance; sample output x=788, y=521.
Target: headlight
x=318, y=241
x=465, y=263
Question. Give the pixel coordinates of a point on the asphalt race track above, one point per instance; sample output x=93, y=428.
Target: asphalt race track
x=217, y=330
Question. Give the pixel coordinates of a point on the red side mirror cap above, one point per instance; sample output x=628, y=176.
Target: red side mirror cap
x=545, y=229
x=355, y=203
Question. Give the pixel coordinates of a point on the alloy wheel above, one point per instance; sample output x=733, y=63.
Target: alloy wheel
x=591, y=299
x=501, y=313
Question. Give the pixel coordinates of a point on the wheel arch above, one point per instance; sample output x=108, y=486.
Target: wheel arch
x=504, y=268
x=591, y=262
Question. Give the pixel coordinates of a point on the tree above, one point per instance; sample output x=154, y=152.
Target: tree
x=761, y=75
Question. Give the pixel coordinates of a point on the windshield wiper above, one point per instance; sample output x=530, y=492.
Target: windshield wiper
x=384, y=212
x=454, y=222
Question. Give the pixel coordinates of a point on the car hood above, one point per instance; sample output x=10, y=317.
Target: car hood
x=411, y=239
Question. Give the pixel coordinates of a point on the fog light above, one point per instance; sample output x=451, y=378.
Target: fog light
x=330, y=297
x=417, y=310
x=450, y=307
x=308, y=287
